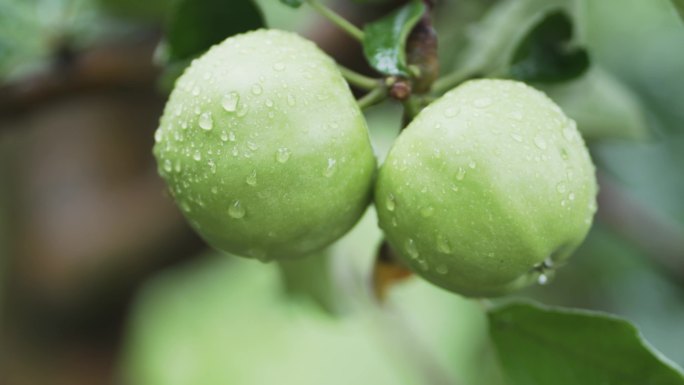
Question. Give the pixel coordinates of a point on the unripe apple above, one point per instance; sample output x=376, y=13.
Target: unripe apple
x=264, y=147
x=489, y=189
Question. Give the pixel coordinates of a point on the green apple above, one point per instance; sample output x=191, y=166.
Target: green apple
x=490, y=188
x=264, y=147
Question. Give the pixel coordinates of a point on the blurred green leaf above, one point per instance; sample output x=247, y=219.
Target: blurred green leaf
x=545, y=54
x=679, y=6
x=621, y=116
x=541, y=346
x=384, y=40
x=292, y=3
x=196, y=25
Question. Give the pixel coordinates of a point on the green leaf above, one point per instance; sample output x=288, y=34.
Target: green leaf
x=384, y=40
x=542, y=346
x=679, y=6
x=196, y=25
x=292, y=3
x=546, y=53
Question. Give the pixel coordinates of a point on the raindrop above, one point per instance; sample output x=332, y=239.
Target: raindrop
x=269, y=103
x=236, y=210
x=540, y=142
x=390, y=203
x=569, y=133
x=443, y=245
x=252, y=178
x=257, y=90
x=331, y=168
x=452, y=112
x=411, y=249
x=283, y=154
x=427, y=211
x=561, y=187
x=230, y=101
x=542, y=279
x=205, y=121
x=461, y=173
x=517, y=115
x=482, y=102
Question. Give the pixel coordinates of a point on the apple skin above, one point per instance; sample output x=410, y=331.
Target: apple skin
x=264, y=148
x=489, y=189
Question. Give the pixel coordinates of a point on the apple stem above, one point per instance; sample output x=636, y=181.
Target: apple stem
x=358, y=80
x=375, y=96
x=336, y=19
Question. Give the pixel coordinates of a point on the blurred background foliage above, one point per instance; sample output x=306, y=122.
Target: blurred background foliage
x=101, y=280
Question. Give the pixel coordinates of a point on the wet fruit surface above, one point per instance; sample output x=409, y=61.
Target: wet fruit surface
x=488, y=189
x=264, y=148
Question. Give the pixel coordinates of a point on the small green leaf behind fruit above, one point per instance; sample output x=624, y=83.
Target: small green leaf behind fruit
x=196, y=25
x=292, y=3
x=546, y=54
x=539, y=346
x=384, y=40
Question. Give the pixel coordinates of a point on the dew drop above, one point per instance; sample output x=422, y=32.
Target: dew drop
x=569, y=133
x=410, y=246
x=230, y=101
x=442, y=269
x=158, y=135
x=269, y=103
x=291, y=101
x=460, y=173
x=454, y=188
x=252, y=146
x=472, y=164
x=252, y=178
x=452, y=112
x=206, y=122
x=540, y=142
x=517, y=137
x=482, y=102
x=242, y=110
x=168, y=166
x=443, y=245
x=195, y=91
x=224, y=136
x=427, y=211
x=390, y=202
x=197, y=156
x=257, y=90
x=517, y=115
x=542, y=279
x=231, y=136
x=331, y=168
x=279, y=66
x=571, y=196
x=236, y=210
x=283, y=154
x=561, y=187
x=214, y=190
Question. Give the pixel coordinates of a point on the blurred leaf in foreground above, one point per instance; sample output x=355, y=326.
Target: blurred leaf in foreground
x=541, y=346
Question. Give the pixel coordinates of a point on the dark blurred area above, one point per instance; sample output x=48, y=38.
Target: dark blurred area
x=85, y=221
